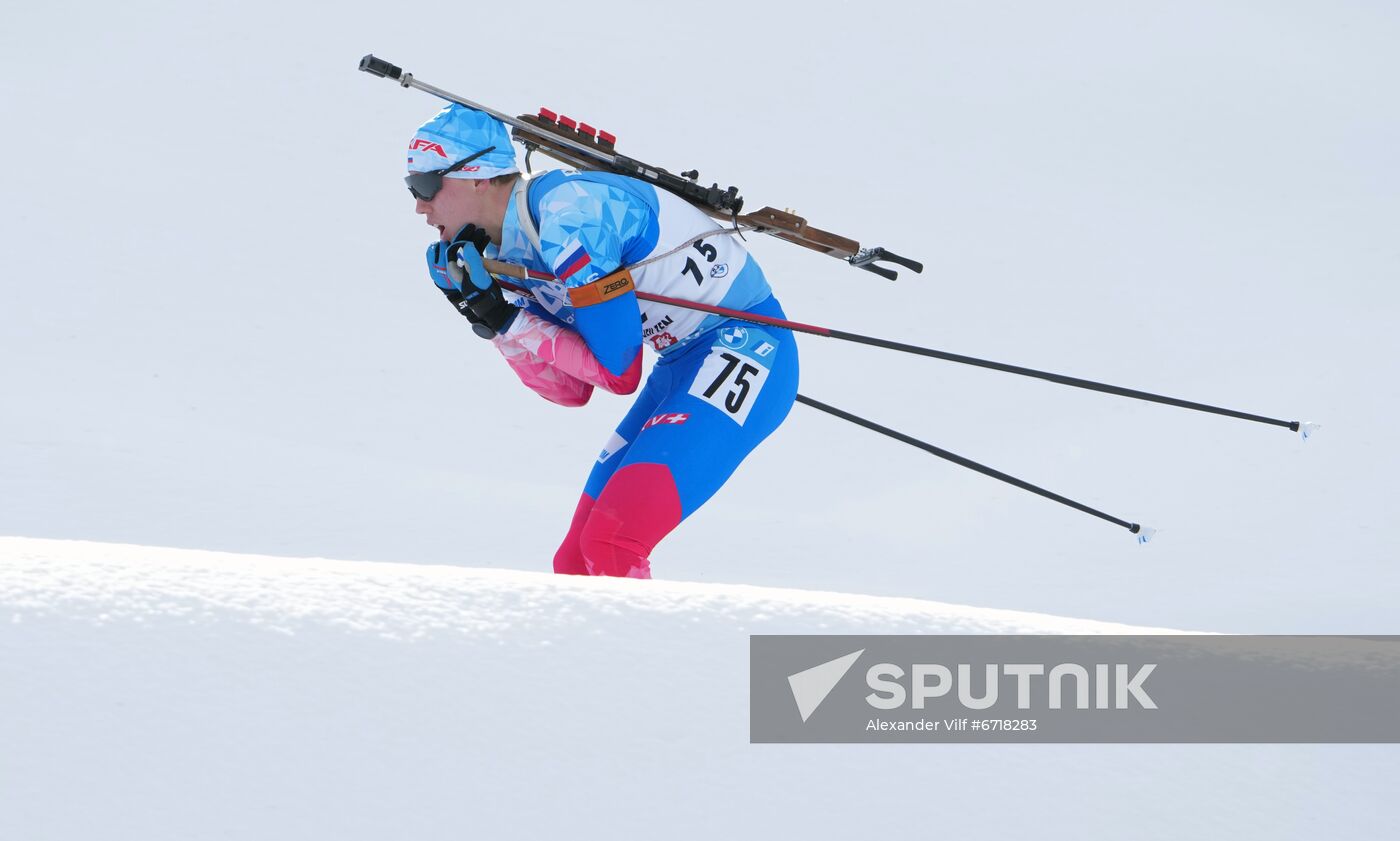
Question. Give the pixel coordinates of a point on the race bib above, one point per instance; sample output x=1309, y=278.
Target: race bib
x=732, y=376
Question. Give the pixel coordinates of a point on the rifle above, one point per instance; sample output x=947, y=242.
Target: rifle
x=581, y=146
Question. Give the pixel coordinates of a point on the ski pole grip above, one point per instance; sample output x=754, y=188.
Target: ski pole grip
x=380, y=67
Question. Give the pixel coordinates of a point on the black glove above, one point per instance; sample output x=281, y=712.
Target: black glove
x=481, y=298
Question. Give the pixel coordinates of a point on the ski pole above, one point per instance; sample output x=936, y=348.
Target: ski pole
x=1144, y=533
x=1306, y=428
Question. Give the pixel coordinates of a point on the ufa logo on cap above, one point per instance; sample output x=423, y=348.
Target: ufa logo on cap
x=426, y=146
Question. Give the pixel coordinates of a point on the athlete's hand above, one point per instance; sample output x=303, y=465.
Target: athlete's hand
x=457, y=270
x=437, y=265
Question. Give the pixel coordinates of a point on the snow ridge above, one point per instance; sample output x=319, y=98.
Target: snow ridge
x=106, y=583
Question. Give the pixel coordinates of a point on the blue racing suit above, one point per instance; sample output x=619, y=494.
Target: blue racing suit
x=719, y=388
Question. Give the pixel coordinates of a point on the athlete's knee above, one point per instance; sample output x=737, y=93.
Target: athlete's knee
x=607, y=551
x=639, y=506
x=568, y=560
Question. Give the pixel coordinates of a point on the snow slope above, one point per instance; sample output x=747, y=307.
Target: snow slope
x=167, y=694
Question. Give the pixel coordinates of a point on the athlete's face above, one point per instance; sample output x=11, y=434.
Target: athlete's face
x=461, y=201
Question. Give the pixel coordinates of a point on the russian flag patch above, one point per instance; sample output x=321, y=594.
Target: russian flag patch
x=573, y=262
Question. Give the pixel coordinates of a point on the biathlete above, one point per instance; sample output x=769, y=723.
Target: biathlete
x=720, y=387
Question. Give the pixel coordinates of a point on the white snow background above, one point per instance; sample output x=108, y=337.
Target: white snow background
x=216, y=333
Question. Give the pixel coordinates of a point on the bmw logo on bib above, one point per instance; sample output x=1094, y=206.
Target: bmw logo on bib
x=734, y=337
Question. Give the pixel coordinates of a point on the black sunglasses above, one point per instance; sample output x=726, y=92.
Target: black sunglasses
x=425, y=185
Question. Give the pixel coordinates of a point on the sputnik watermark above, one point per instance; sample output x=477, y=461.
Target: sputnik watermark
x=890, y=694
x=1186, y=688
x=1113, y=685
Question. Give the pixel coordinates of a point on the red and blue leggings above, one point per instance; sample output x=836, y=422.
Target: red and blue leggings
x=701, y=412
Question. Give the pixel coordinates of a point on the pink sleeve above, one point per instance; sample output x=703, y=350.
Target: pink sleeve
x=535, y=345
x=546, y=380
